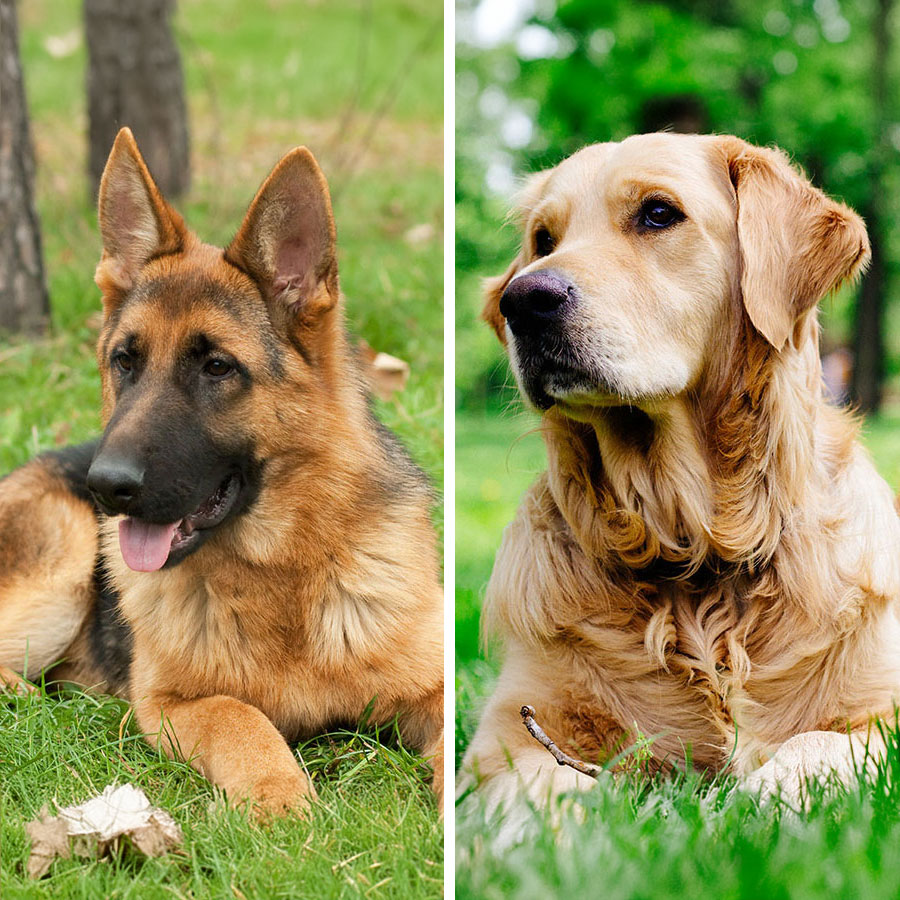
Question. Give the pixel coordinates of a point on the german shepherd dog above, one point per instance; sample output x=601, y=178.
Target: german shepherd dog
x=246, y=554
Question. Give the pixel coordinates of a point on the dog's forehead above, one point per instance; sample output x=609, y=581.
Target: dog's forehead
x=183, y=295
x=193, y=290
x=684, y=164
x=198, y=278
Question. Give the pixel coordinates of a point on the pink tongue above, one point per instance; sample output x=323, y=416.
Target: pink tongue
x=145, y=547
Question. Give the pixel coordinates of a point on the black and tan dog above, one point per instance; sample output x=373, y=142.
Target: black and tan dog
x=245, y=553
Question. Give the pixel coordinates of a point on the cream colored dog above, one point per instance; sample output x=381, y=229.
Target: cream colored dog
x=711, y=558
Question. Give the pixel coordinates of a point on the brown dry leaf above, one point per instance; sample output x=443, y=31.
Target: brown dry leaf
x=157, y=837
x=49, y=839
x=96, y=826
x=386, y=374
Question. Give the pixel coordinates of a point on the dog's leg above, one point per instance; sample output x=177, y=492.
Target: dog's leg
x=814, y=756
x=232, y=744
x=508, y=772
x=531, y=779
x=14, y=683
x=48, y=546
x=422, y=727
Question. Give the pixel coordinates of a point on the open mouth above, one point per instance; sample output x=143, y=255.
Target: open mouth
x=147, y=547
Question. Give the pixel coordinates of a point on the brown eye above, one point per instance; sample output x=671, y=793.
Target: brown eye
x=217, y=368
x=658, y=214
x=544, y=244
x=123, y=362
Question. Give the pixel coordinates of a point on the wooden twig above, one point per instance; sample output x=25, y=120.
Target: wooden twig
x=563, y=759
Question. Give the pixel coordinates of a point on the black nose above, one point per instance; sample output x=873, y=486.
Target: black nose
x=115, y=482
x=531, y=302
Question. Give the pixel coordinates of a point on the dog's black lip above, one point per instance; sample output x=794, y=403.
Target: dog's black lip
x=187, y=541
x=542, y=400
x=196, y=526
x=533, y=387
x=536, y=367
x=221, y=503
x=542, y=369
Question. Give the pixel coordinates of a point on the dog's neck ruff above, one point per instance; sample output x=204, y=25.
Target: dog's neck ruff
x=706, y=487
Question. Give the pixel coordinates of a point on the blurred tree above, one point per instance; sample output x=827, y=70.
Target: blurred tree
x=24, y=304
x=868, y=337
x=135, y=79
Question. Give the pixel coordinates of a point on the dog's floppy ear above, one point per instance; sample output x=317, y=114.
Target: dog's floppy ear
x=287, y=240
x=529, y=194
x=797, y=245
x=136, y=223
x=493, y=289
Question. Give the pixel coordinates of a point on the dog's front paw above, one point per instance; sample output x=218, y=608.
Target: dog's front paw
x=278, y=795
x=814, y=756
x=766, y=781
x=13, y=683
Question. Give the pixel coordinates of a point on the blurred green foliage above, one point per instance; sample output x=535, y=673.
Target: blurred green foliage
x=797, y=73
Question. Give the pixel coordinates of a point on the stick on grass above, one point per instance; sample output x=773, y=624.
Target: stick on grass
x=563, y=759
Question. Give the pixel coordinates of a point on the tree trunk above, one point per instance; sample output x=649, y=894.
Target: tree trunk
x=868, y=337
x=135, y=79
x=24, y=304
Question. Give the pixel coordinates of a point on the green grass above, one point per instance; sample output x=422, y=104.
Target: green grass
x=663, y=838
x=496, y=459
x=262, y=77
x=373, y=833
x=685, y=837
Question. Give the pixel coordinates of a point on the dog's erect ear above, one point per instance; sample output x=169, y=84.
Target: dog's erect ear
x=287, y=240
x=797, y=245
x=136, y=223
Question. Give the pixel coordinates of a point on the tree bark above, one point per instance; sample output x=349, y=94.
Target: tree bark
x=135, y=79
x=24, y=303
x=868, y=337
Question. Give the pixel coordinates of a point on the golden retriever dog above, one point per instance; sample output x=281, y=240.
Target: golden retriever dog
x=710, y=559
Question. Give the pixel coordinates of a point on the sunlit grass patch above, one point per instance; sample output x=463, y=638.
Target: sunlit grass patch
x=684, y=835
x=374, y=832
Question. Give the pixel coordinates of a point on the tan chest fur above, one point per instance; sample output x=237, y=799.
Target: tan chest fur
x=691, y=676
x=308, y=645
x=729, y=669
